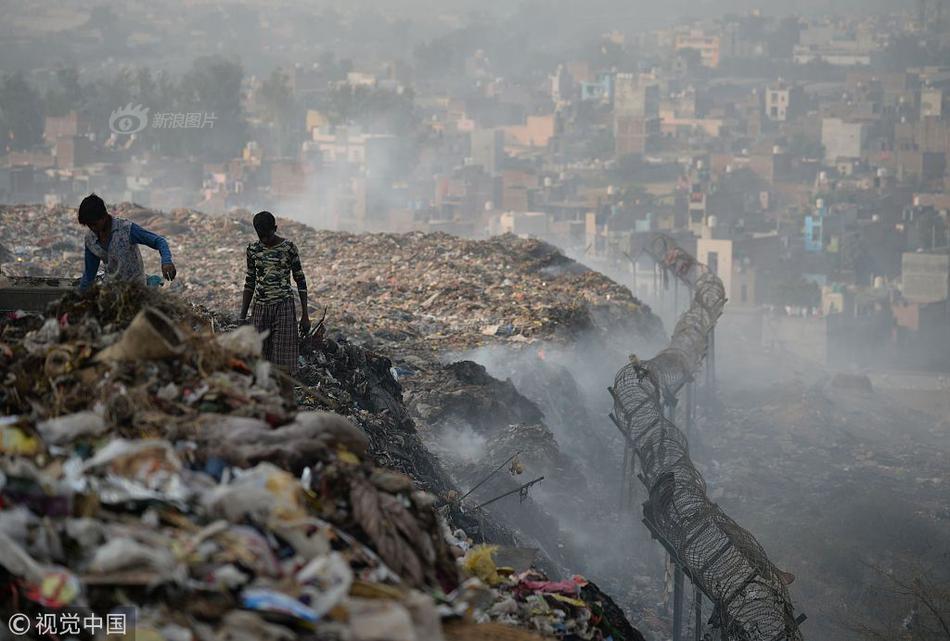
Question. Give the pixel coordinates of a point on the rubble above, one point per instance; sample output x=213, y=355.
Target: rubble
x=184, y=484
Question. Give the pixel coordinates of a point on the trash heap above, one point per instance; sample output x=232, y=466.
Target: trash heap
x=152, y=461
x=403, y=293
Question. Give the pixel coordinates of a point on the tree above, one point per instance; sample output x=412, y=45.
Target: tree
x=913, y=605
x=277, y=102
x=21, y=114
x=213, y=86
x=66, y=95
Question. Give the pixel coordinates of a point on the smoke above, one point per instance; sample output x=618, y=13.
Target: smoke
x=460, y=443
x=568, y=382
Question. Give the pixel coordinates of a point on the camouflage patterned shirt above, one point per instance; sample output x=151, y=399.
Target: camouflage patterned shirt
x=269, y=270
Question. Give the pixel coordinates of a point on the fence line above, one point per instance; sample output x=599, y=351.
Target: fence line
x=720, y=557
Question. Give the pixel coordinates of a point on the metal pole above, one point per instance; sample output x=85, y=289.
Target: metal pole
x=636, y=279
x=710, y=366
x=724, y=634
x=689, y=409
x=624, y=475
x=698, y=601
x=676, y=297
x=677, y=602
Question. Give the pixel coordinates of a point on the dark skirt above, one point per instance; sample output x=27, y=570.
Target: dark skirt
x=282, y=343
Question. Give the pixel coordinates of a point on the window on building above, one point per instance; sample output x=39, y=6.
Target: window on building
x=712, y=261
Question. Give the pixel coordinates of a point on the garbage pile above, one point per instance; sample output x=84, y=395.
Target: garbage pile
x=151, y=463
x=403, y=293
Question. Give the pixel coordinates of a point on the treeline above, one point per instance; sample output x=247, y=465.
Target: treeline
x=213, y=86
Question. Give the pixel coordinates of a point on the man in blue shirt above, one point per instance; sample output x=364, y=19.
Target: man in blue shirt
x=114, y=241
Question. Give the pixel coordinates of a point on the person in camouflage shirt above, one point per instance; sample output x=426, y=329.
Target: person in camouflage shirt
x=271, y=262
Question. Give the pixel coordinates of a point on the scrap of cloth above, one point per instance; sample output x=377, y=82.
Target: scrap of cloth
x=269, y=270
x=282, y=344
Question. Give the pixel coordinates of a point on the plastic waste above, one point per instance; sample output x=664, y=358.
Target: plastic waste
x=244, y=341
x=65, y=429
x=263, y=493
x=378, y=620
x=150, y=336
x=273, y=602
x=478, y=562
x=18, y=442
x=327, y=579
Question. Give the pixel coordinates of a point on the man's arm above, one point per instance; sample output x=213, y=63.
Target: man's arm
x=297, y=271
x=90, y=267
x=141, y=236
x=250, y=281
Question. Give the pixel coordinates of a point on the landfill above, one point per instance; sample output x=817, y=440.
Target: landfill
x=152, y=459
x=396, y=306
x=408, y=294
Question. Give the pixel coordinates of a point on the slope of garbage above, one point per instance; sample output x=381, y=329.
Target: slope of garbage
x=400, y=293
x=152, y=463
x=190, y=402
x=395, y=305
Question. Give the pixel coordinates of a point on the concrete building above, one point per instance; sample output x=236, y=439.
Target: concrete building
x=71, y=124
x=784, y=102
x=526, y=224
x=843, y=139
x=707, y=45
x=488, y=149
x=931, y=102
x=73, y=151
x=925, y=276
x=536, y=132
x=636, y=113
x=716, y=254
x=350, y=145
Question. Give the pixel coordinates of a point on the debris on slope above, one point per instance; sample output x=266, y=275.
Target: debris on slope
x=410, y=293
x=169, y=474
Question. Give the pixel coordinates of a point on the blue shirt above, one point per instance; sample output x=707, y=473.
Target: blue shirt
x=138, y=236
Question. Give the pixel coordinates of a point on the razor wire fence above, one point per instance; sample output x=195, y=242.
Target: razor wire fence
x=720, y=557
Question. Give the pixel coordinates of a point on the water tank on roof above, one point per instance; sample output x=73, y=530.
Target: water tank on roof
x=876, y=218
x=820, y=203
x=610, y=190
x=547, y=181
x=878, y=282
x=882, y=172
x=712, y=221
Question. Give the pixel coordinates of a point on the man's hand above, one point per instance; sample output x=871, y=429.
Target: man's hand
x=169, y=271
x=304, y=324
